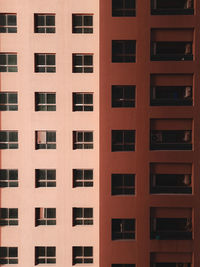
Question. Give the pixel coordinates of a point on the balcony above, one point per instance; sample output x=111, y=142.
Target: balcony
x=170, y=184
x=171, y=140
x=171, y=228
x=171, y=51
x=171, y=7
x=171, y=96
x=170, y=264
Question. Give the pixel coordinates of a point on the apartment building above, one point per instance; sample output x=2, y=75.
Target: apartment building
x=99, y=137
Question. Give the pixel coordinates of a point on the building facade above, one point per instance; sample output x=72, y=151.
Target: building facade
x=99, y=137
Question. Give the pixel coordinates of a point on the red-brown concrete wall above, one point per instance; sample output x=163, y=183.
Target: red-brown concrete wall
x=139, y=28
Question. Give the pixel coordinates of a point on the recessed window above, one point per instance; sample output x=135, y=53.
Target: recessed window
x=8, y=139
x=8, y=178
x=123, y=229
x=8, y=23
x=123, y=140
x=45, y=23
x=45, y=255
x=82, y=102
x=82, y=255
x=45, y=177
x=45, y=101
x=82, y=216
x=45, y=140
x=8, y=255
x=82, y=140
x=171, y=7
x=8, y=101
x=82, y=63
x=123, y=96
x=8, y=216
x=82, y=23
x=82, y=178
x=123, y=8
x=45, y=63
x=45, y=216
x=123, y=184
x=8, y=62
x=123, y=51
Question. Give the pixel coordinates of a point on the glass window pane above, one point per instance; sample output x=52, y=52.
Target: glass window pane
x=3, y=136
x=13, y=213
x=51, y=98
x=88, y=136
x=77, y=20
x=79, y=99
x=51, y=251
x=3, y=252
x=3, y=174
x=13, y=136
x=12, y=20
x=12, y=98
x=88, y=212
x=2, y=59
x=51, y=213
x=13, y=252
x=12, y=59
x=40, y=59
x=88, y=60
x=40, y=20
x=3, y=214
x=41, y=174
x=88, y=174
x=87, y=251
x=50, y=59
x=2, y=20
x=88, y=20
x=50, y=20
x=40, y=251
x=3, y=98
x=77, y=60
x=13, y=174
x=88, y=98
x=78, y=174
x=41, y=98
x=51, y=136
x=51, y=174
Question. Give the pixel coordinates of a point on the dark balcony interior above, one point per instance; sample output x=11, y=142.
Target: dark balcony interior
x=171, y=96
x=172, y=7
x=171, y=51
x=171, y=140
x=171, y=264
x=171, y=228
x=170, y=184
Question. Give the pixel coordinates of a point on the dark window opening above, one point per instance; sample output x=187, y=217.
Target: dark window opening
x=123, y=184
x=45, y=177
x=82, y=216
x=123, y=140
x=45, y=140
x=123, y=96
x=8, y=216
x=8, y=178
x=45, y=23
x=123, y=51
x=82, y=140
x=45, y=101
x=45, y=255
x=82, y=178
x=8, y=255
x=8, y=23
x=123, y=8
x=82, y=255
x=8, y=140
x=123, y=229
x=82, y=63
x=45, y=216
x=82, y=23
x=171, y=7
x=45, y=63
x=82, y=102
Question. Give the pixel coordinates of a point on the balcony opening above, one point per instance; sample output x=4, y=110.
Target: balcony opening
x=171, y=7
x=171, y=224
x=171, y=96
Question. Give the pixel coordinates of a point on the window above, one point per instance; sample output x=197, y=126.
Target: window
x=8, y=101
x=8, y=255
x=171, y=264
x=45, y=255
x=123, y=265
x=123, y=8
x=82, y=178
x=171, y=7
x=8, y=62
x=82, y=140
x=45, y=178
x=123, y=184
x=8, y=178
x=82, y=216
x=123, y=140
x=82, y=23
x=45, y=23
x=123, y=229
x=45, y=101
x=45, y=216
x=82, y=255
x=8, y=216
x=123, y=96
x=123, y=51
x=82, y=63
x=8, y=23
x=8, y=139
x=45, y=140
x=45, y=63
x=82, y=102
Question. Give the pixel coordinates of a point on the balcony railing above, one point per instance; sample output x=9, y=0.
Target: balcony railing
x=171, y=96
x=170, y=184
x=171, y=7
x=171, y=140
x=171, y=51
x=171, y=228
